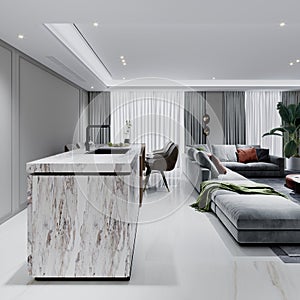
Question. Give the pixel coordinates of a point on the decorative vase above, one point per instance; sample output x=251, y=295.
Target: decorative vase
x=293, y=163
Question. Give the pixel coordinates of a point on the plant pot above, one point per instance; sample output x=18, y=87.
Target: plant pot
x=293, y=163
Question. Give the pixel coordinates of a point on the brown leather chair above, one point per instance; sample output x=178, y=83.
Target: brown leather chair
x=164, y=161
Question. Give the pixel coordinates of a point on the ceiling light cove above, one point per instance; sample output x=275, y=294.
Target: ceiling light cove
x=72, y=39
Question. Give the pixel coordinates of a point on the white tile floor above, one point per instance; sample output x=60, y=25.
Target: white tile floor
x=180, y=254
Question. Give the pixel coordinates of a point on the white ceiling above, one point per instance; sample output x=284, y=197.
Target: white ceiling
x=238, y=42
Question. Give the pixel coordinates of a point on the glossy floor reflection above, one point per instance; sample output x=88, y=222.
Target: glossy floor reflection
x=180, y=254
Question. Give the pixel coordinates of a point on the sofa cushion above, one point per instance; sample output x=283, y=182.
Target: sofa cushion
x=246, y=155
x=253, y=166
x=190, y=152
x=224, y=152
x=258, y=212
x=263, y=166
x=203, y=159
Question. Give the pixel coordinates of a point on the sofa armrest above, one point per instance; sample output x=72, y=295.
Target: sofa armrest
x=279, y=161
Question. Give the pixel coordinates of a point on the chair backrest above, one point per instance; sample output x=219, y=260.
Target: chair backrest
x=171, y=157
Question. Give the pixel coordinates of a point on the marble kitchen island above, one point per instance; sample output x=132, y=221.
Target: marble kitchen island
x=83, y=213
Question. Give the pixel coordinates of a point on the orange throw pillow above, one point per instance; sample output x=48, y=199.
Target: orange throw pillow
x=247, y=155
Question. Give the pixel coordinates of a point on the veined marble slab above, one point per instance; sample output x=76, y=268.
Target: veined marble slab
x=78, y=161
x=82, y=225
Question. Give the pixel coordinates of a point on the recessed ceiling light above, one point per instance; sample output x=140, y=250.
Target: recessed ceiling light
x=123, y=60
x=92, y=87
x=95, y=24
x=124, y=64
x=298, y=60
x=124, y=78
x=291, y=63
x=20, y=36
x=122, y=57
x=282, y=24
x=213, y=78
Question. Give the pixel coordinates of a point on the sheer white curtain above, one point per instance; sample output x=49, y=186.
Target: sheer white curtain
x=157, y=116
x=261, y=116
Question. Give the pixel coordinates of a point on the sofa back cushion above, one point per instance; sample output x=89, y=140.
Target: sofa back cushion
x=247, y=146
x=202, y=147
x=247, y=155
x=224, y=152
x=203, y=159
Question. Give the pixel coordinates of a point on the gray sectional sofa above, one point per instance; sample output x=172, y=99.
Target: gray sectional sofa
x=251, y=219
x=227, y=155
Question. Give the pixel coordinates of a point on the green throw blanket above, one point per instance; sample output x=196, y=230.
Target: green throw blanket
x=208, y=187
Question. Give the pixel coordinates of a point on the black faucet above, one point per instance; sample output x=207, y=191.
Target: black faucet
x=87, y=146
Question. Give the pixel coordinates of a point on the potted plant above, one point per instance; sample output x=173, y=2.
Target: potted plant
x=127, y=132
x=290, y=116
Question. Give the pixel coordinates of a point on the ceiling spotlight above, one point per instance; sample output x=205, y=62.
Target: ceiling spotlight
x=95, y=24
x=282, y=24
x=20, y=36
x=123, y=60
x=213, y=78
x=122, y=57
x=124, y=78
x=291, y=63
x=92, y=87
x=298, y=60
x=124, y=64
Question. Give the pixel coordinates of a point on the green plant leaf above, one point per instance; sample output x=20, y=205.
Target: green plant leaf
x=290, y=149
x=292, y=111
x=284, y=112
x=268, y=133
x=291, y=129
x=297, y=114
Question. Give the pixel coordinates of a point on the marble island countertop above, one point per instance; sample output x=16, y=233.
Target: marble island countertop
x=79, y=161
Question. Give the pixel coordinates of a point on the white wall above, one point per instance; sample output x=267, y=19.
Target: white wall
x=214, y=107
x=38, y=115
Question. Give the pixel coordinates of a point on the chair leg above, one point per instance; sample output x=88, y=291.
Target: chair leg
x=148, y=172
x=165, y=180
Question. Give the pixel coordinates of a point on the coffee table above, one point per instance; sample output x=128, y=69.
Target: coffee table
x=292, y=181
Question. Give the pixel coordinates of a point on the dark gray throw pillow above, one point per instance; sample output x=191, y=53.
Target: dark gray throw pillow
x=263, y=155
x=203, y=159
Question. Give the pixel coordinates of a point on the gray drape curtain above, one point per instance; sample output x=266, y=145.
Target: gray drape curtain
x=99, y=112
x=194, y=109
x=291, y=97
x=234, y=118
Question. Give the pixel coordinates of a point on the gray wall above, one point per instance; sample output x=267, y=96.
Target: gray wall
x=5, y=133
x=214, y=107
x=38, y=116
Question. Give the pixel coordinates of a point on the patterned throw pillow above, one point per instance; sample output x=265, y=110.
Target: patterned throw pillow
x=221, y=169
